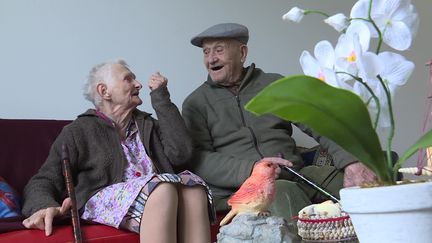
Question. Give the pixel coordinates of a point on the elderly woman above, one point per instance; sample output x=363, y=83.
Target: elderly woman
x=123, y=164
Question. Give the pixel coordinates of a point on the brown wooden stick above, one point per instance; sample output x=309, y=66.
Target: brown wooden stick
x=71, y=194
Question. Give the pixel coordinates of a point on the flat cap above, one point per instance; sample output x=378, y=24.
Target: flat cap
x=224, y=30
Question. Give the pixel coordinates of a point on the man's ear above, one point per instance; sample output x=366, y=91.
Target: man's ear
x=102, y=91
x=244, y=52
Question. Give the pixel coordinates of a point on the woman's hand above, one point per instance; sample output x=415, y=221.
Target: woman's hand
x=43, y=218
x=156, y=81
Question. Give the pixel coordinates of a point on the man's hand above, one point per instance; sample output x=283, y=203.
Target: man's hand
x=357, y=174
x=43, y=218
x=278, y=161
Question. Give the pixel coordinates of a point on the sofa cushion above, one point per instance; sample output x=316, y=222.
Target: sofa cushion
x=315, y=156
x=11, y=224
x=24, y=146
x=63, y=233
x=9, y=201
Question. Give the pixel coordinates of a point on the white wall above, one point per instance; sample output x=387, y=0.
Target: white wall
x=48, y=46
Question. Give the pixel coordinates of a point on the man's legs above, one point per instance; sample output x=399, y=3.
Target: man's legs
x=291, y=196
x=290, y=199
x=327, y=177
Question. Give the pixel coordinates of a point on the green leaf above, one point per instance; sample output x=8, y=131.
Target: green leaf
x=338, y=114
x=423, y=142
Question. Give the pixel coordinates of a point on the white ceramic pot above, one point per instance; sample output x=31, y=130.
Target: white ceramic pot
x=400, y=213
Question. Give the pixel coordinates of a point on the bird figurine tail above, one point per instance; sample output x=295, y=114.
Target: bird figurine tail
x=227, y=217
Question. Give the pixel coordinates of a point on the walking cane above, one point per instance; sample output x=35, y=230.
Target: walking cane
x=71, y=194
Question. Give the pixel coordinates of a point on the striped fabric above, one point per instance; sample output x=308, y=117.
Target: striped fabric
x=132, y=219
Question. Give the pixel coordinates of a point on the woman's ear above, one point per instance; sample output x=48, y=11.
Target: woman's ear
x=102, y=91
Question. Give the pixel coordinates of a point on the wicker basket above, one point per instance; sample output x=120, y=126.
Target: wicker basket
x=326, y=229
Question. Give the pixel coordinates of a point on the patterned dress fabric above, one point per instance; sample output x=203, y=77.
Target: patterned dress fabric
x=123, y=203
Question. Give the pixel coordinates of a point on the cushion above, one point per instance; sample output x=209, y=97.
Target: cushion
x=315, y=156
x=64, y=234
x=11, y=224
x=9, y=201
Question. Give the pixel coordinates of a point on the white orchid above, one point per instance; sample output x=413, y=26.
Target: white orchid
x=295, y=15
x=350, y=48
x=394, y=71
x=397, y=20
x=321, y=67
x=338, y=21
x=374, y=76
x=350, y=65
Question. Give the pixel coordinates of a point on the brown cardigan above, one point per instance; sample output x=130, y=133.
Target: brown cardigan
x=97, y=158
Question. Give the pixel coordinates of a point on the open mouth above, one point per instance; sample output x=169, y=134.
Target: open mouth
x=216, y=68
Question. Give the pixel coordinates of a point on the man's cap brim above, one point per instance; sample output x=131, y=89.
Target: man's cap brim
x=222, y=31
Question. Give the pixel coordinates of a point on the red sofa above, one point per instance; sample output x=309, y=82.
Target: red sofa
x=24, y=146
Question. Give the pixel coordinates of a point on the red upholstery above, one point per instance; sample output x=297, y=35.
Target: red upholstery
x=63, y=233
x=24, y=146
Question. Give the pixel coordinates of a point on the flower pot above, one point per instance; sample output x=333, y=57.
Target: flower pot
x=400, y=213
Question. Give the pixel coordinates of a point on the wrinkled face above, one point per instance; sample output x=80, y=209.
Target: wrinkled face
x=123, y=88
x=224, y=59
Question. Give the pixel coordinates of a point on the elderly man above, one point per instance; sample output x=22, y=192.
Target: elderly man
x=229, y=140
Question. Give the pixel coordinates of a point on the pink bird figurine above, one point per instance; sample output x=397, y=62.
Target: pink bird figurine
x=255, y=194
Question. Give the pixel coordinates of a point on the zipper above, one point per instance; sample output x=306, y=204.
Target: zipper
x=254, y=139
x=240, y=110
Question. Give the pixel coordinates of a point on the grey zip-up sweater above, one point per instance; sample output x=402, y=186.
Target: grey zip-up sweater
x=228, y=140
x=97, y=158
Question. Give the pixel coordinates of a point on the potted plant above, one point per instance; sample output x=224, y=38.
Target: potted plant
x=345, y=94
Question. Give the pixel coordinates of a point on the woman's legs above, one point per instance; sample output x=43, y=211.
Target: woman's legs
x=159, y=220
x=193, y=221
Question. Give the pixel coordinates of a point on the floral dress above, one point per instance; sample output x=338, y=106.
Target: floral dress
x=122, y=204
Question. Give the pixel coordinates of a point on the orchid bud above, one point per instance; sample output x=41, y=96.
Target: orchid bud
x=338, y=21
x=295, y=15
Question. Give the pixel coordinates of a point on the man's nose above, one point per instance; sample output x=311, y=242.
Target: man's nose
x=212, y=58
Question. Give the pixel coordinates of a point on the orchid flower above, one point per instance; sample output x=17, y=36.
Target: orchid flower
x=396, y=20
x=322, y=66
x=350, y=48
x=295, y=15
x=338, y=21
x=397, y=70
x=373, y=76
x=394, y=71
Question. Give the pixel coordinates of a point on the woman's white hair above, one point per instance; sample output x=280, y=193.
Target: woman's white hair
x=101, y=73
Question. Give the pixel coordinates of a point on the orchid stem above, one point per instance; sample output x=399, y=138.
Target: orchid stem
x=306, y=12
x=392, y=125
x=374, y=97
x=380, y=39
